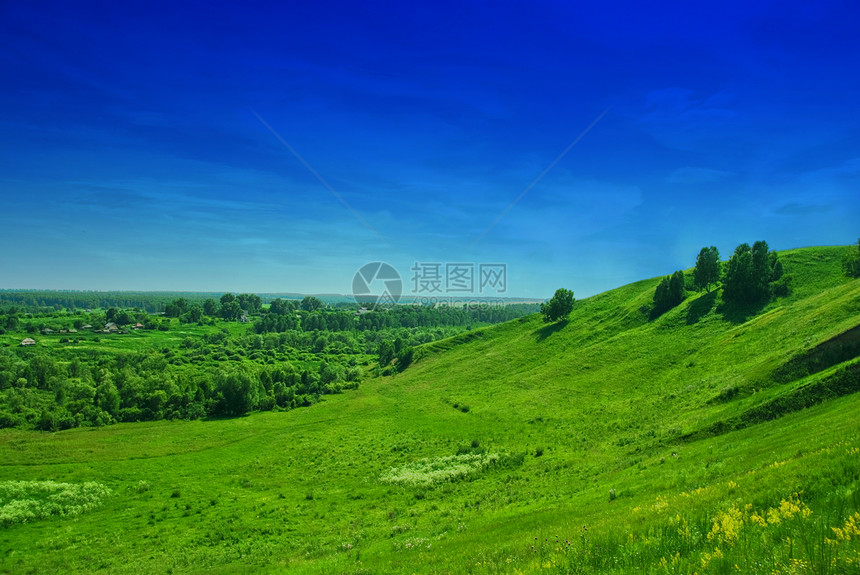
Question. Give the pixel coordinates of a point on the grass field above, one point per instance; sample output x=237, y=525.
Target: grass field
x=709, y=440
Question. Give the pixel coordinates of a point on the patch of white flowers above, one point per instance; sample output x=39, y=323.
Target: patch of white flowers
x=23, y=501
x=426, y=472
x=416, y=543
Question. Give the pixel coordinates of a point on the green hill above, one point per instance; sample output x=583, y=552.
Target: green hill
x=711, y=439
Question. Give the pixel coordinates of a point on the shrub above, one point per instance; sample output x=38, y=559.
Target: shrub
x=23, y=501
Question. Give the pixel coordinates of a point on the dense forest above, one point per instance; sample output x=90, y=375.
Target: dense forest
x=201, y=356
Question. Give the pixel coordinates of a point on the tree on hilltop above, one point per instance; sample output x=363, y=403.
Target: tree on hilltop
x=559, y=307
x=707, y=269
x=750, y=272
x=669, y=293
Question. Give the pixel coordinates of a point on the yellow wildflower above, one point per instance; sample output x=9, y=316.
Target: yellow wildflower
x=727, y=525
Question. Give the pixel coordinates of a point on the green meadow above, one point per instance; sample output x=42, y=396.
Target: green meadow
x=711, y=439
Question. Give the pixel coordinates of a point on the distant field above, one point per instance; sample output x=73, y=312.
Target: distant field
x=712, y=439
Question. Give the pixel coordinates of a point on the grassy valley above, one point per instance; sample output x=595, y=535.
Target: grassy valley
x=714, y=438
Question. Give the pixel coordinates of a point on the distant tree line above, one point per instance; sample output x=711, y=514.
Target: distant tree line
x=284, y=316
x=39, y=300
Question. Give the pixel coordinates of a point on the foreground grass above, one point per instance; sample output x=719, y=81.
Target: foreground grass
x=621, y=443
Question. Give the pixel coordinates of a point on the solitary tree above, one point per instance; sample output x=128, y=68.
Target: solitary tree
x=707, y=269
x=559, y=307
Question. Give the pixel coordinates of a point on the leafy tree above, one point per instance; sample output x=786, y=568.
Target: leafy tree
x=311, y=303
x=123, y=318
x=280, y=307
x=707, y=269
x=250, y=303
x=210, y=307
x=330, y=373
x=320, y=343
x=559, y=307
x=404, y=358
x=676, y=288
x=386, y=353
x=230, y=310
x=762, y=270
x=194, y=315
x=749, y=273
x=239, y=390
x=669, y=293
x=176, y=308
x=739, y=284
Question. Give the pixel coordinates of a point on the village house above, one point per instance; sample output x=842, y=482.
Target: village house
x=28, y=341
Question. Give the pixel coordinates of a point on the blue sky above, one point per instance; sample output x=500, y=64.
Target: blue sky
x=131, y=156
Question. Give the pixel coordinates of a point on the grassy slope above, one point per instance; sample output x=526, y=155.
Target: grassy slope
x=609, y=399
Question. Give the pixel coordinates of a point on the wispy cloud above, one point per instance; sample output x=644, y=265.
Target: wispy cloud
x=800, y=209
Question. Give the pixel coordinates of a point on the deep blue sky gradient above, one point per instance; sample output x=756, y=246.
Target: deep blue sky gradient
x=131, y=157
